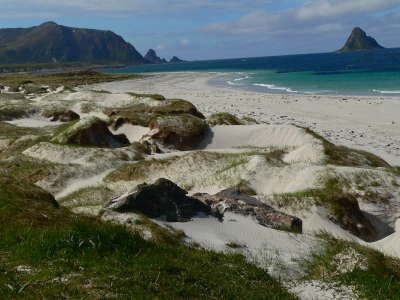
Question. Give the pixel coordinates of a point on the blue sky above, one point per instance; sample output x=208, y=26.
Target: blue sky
x=218, y=29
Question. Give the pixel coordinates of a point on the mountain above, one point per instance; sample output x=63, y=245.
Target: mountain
x=51, y=42
x=175, y=59
x=152, y=57
x=358, y=40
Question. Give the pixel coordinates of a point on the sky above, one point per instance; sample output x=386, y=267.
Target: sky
x=207, y=29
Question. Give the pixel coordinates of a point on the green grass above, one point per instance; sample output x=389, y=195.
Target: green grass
x=68, y=79
x=139, y=170
x=72, y=256
x=12, y=131
x=380, y=280
x=343, y=156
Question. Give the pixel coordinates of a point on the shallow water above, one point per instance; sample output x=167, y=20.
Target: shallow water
x=353, y=73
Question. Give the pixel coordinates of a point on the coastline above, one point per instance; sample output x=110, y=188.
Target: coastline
x=363, y=122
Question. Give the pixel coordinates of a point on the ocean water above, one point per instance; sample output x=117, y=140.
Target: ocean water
x=352, y=73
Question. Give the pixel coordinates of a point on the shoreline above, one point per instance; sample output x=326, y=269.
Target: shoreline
x=367, y=123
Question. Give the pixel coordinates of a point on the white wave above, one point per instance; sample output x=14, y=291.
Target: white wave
x=272, y=86
x=386, y=92
x=237, y=79
x=231, y=83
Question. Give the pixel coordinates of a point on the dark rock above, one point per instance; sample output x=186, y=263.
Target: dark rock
x=62, y=116
x=175, y=60
x=161, y=198
x=152, y=57
x=352, y=218
x=358, y=40
x=234, y=201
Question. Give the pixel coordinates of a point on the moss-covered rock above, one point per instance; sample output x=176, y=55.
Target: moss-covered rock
x=90, y=132
x=223, y=119
x=144, y=112
x=181, y=132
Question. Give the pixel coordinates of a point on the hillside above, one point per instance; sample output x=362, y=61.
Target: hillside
x=358, y=40
x=51, y=42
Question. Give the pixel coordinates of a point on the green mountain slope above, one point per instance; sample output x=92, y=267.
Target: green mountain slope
x=51, y=42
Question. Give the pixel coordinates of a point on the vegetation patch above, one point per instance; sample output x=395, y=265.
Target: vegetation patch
x=182, y=132
x=373, y=274
x=89, y=132
x=137, y=171
x=68, y=79
x=343, y=156
x=229, y=119
x=223, y=119
x=342, y=206
x=143, y=113
x=11, y=112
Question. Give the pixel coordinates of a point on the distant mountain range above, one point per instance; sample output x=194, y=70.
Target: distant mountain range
x=52, y=43
x=358, y=40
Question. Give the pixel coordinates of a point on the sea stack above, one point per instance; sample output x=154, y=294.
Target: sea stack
x=152, y=57
x=358, y=40
x=175, y=59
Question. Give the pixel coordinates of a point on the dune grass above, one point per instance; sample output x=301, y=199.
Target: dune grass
x=68, y=79
x=51, y=253
x=344, y=156
x=379, y=280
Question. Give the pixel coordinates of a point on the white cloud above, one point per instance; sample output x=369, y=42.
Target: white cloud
x=127, y=8
x=314, y=9
x=161, y=47
x=184, y=42
x=312, y=15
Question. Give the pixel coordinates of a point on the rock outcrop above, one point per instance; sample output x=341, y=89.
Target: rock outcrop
x=181, y=132
x=91, y=132
x=163, y=198
x=175, y=60
x=151, y=56
x=234, y=201
x=61, y=116
x=358, y=40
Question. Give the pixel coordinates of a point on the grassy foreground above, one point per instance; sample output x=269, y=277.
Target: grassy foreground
x=51, y=253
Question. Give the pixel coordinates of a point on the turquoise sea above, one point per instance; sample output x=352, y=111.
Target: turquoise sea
x=353, y=73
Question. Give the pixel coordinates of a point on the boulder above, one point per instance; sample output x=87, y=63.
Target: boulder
x=61, y=116
x=181, y=132
x=235, y=201
x=91, y=132
x=163, y=198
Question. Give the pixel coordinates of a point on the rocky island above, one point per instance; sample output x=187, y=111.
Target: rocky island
x=358, y=40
